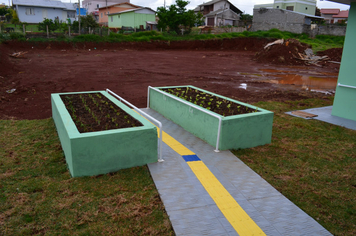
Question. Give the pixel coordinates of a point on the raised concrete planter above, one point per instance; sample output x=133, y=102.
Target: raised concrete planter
x=95, y=153
x=236, y=132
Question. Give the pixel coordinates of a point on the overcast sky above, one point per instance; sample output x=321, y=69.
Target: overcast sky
x=243, y=5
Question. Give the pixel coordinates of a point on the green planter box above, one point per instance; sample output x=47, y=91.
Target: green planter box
x=95, y=153
x=237, y=132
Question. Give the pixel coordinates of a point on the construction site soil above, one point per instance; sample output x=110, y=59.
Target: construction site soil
x=225, y=66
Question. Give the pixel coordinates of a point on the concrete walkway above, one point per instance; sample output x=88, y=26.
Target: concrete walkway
x=324, y=114
x=195, y=209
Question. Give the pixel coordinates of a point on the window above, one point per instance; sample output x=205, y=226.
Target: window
x=112, y=18
x=70, y=14
x=277, y=7
x=97, y=5
x=290, y=8
x=30, y=11
x=101, y=15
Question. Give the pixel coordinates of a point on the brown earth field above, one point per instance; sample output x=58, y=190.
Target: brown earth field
x=226, y=67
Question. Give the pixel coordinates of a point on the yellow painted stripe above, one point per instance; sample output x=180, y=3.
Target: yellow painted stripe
x=175, y=145
x=238, y=218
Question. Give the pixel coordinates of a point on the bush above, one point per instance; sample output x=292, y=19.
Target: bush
x=246, y=33
x=4, y=37
x=276, y=35
x=274, y=31
x=52, y=25
x=143, y=39
x=146, y=33
x=158, y=37
x=17, y=36
x=88, y=38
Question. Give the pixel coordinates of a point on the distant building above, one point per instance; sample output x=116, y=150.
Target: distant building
x=219, y=12
x=302, y=6
x=36, y=11
x=334, y=15
x=265, y=19
x=119, y=7
x=142, y=18
x=92, y=6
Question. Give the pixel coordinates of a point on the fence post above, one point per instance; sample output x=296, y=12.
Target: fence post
x=108, y=31
x=23, y=28
x=0, y=29
x=68, y=30
x=89, y=31
x=47, y=31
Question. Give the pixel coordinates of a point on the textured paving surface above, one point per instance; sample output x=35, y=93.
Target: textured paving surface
x=324, y=114
x=193, y=212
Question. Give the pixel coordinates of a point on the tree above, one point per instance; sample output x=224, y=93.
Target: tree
x=88, y=21
x=85, y=22
x=317, y=12
x=52, y=25
x=246, y=19
x=15, y=18
x=176, y=17
x=4, y=11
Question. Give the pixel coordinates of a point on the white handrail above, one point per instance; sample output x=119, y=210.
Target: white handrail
x=347, y=86
x=191, y=105
x=160, y=159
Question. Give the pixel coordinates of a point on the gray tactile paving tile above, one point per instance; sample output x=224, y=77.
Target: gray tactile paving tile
x=193, y=212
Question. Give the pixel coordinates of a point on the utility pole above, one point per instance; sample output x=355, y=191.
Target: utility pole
x=164, y=4
x=79, y=15
x=106, y=4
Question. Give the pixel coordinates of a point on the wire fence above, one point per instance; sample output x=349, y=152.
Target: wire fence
x=32, y=31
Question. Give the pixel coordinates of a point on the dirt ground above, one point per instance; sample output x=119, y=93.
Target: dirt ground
x=225, y=67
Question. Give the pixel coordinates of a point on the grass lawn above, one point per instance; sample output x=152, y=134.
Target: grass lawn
x=310, y=162
x=18, y=28
x=38, y=196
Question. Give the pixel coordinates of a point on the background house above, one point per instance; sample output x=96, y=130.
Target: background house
x=106, y=10
x=92, y=6
x=219, y=12
x=302, y=6
x=36, y=11
x=328, y=14
x=136, y=18
x=341, y=17
x=334, y=15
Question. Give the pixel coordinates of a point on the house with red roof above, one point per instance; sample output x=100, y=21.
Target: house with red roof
x=333, y=15
x=341, y=17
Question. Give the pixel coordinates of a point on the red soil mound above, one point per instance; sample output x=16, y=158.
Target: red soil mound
x=334, y=54
x=284, y=54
